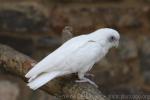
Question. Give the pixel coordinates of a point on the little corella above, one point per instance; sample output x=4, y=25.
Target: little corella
x=76, y=55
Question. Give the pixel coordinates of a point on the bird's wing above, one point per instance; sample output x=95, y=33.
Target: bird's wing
x=53, y=60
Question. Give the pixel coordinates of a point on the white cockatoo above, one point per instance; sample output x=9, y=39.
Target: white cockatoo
x=76, y=55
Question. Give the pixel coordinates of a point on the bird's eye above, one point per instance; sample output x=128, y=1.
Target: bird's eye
x=111, y=39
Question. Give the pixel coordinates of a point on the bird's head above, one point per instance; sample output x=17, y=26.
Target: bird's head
x=107, y=37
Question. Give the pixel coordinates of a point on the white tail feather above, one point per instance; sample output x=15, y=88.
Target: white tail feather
x=32, y=78
x=42, y=79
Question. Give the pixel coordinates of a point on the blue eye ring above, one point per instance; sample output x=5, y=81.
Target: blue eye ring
x=112, y=38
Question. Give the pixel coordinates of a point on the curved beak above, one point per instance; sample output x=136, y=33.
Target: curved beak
x=116, y=44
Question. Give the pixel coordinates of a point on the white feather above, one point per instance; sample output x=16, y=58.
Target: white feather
x=42, y=79
x=67, y=49
x=78, y=54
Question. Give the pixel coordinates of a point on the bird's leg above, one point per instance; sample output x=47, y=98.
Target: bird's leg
x=84, y=79
x=88, y=74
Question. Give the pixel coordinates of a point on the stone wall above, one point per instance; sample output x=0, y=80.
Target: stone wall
x=34, y=28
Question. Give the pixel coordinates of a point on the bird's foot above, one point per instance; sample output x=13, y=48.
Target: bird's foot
x=87, y=80
x=90, y=75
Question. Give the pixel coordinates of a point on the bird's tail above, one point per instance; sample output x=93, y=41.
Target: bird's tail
x=42, y=79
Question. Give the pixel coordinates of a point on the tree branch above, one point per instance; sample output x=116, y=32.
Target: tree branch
x=63, y=87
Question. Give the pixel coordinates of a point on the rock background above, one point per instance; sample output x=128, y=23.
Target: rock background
x=34, y=28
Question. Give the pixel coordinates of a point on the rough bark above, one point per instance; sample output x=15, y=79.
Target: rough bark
x=63, y=87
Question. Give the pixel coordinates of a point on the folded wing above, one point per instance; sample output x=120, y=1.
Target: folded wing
x=53, y=60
